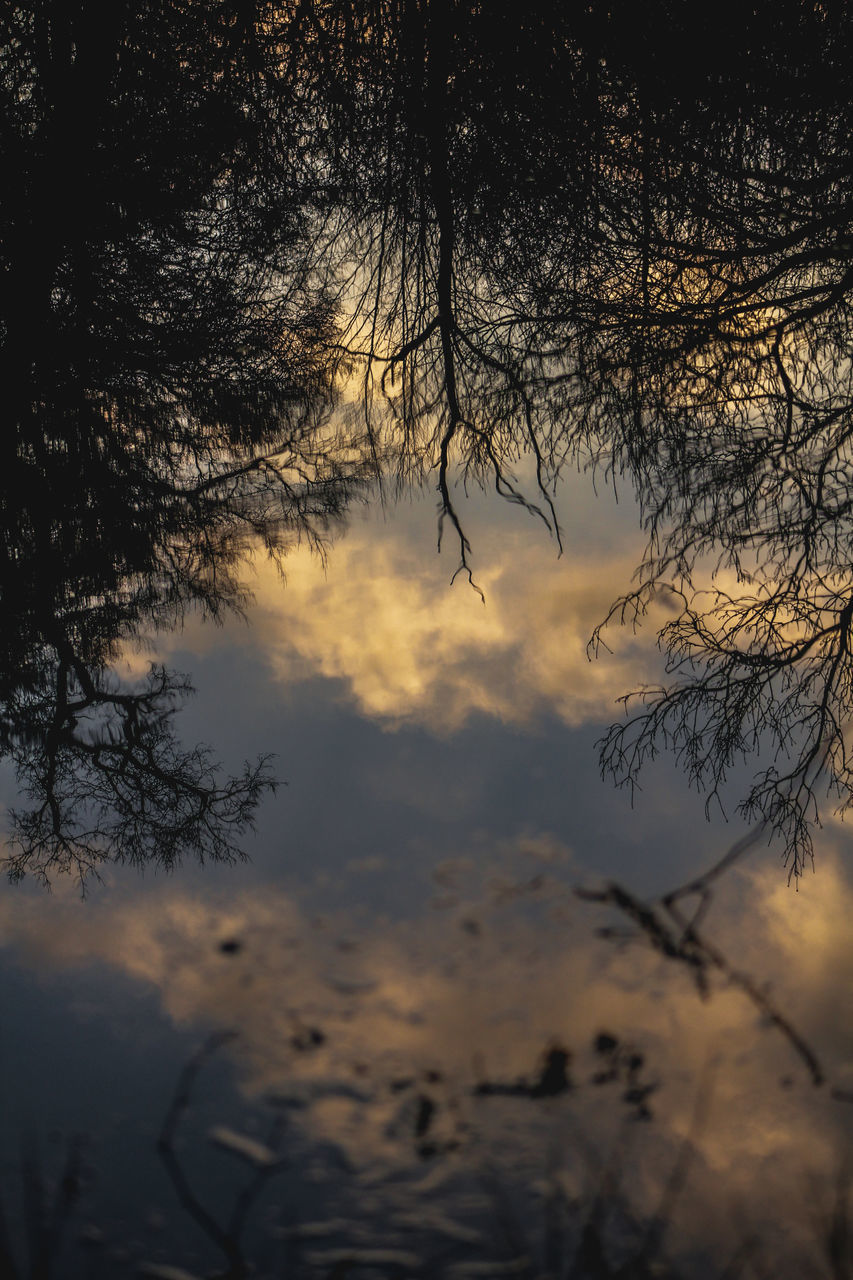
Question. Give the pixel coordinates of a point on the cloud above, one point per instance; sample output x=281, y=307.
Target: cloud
x=381, y=619
x=407, y=648
x=333, y=1011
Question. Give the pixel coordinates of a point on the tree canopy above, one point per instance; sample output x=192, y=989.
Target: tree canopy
x=603, y=237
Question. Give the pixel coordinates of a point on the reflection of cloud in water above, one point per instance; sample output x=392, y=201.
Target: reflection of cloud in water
x=412, y=650
x=332, y=1011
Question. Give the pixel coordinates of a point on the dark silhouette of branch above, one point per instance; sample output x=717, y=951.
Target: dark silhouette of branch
x=226, y=1238
x=676, y=936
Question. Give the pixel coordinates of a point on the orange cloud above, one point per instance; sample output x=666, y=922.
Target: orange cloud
x=409, y=649
x=334, y=1010
x=381, y=618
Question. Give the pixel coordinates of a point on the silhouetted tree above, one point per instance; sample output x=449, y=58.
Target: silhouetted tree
x=166, y=401
x=538, y=237
x=719, y=379
x=561, y=235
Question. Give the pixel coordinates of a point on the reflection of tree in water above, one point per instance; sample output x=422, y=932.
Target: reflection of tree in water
x=575, y=1152
x=534, y=237
x=569, y=1209
x=588, y=244
x=578, y=245
x=167, y=404
x=98, y=554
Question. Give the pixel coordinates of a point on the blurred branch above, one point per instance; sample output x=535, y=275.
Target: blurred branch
x=661, y=923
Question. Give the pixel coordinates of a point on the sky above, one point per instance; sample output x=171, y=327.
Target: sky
x=407, y=913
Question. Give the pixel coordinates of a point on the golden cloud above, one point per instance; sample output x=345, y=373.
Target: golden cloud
x=380, y=617
x=333, y=1011
x=409, y=649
